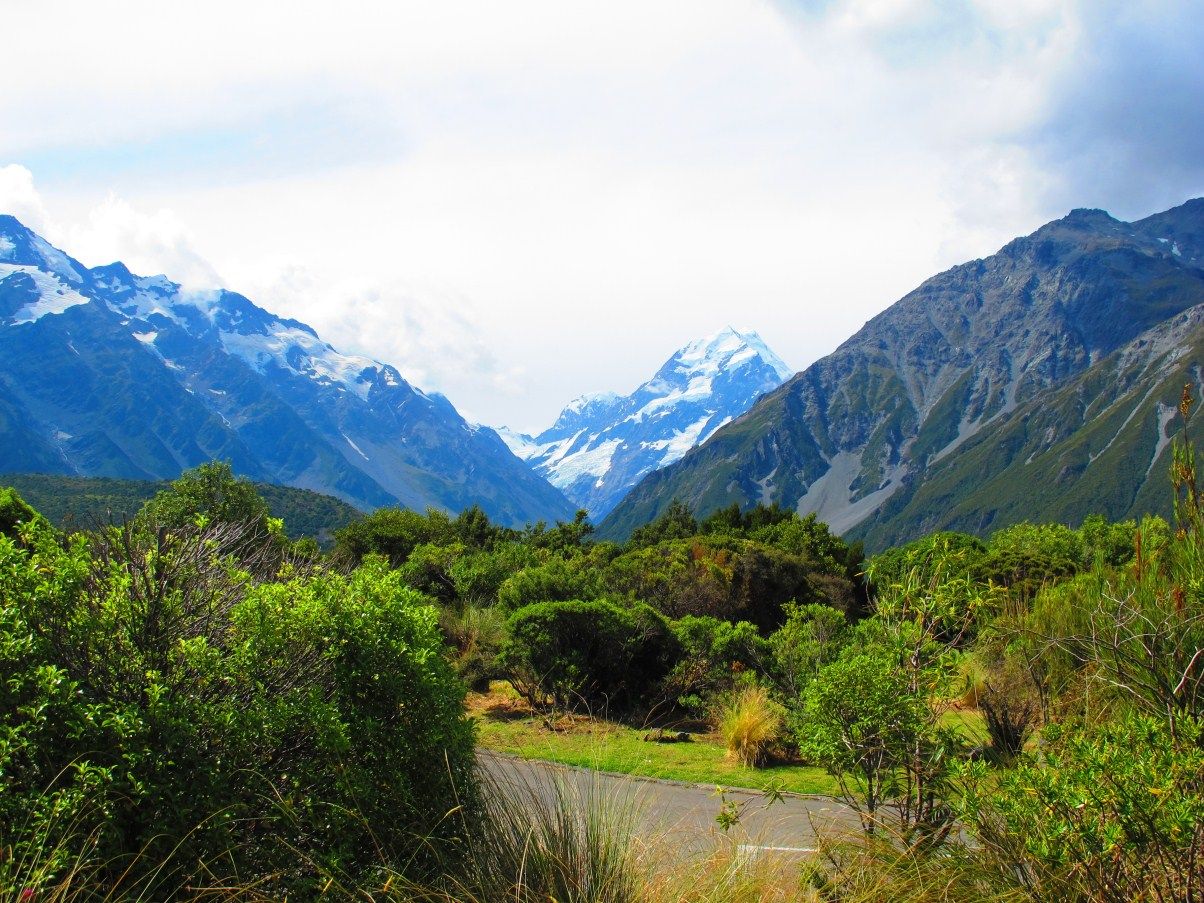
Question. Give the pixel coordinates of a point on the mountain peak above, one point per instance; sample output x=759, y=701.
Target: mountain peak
x=603, y=443
x=151, y=378
x=21, y=246
x=724, y=350
x=921, y=420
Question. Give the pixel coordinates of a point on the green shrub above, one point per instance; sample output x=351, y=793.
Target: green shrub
x=477, y=636
x=554, y=580
x=595, y=656
x=393, y=533
x=812, y=637
x=191, y=726
x=1110, y=813
x=13, y=512
x=712, y=653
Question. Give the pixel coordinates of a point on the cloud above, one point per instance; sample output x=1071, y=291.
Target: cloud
x=430, y=336
x=148, y=243
x=1124, y=126
x=604, y=181
x=19, y=197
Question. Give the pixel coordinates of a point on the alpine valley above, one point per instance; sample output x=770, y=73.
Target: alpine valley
x=602, y=445
x=1041, y=383
x=105, y=373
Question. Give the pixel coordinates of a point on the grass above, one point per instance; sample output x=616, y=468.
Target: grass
x=506, y=725
x=750, y=722
x=968, y=723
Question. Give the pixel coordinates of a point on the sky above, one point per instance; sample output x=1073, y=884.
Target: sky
x=517, y=203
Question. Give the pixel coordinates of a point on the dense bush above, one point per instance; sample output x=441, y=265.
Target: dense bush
x=393, y=533
x=554, y=580
x=711, y=655
x=13, y=513
x=811, y=637
x=1112, y=813
x=173, y=722
x=594, y=656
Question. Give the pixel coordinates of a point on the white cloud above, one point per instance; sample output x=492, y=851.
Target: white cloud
x=431, y=338
x=605, y=181
x=148, y=244
x=19, y=198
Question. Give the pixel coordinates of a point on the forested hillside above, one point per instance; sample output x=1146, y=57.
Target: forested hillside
x=89, y=502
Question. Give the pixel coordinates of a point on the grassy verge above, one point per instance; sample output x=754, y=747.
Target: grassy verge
x=505, y=725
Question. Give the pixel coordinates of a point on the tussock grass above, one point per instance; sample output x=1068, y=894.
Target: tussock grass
x=750, y=722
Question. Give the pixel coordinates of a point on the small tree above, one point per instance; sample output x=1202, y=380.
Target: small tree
x=860, y=722
x=812, y=637
x=592, y=655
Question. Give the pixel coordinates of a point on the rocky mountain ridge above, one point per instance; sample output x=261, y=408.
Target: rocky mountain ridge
x=106, y=373
x=856, y=436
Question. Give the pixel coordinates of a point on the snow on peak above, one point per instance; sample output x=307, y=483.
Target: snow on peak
x=603, y=443
x=522, y=445
x=590, y=400
x=54, y=296
x=726, y=350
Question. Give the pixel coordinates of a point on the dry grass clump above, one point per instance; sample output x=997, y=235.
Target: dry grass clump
x=750, y=722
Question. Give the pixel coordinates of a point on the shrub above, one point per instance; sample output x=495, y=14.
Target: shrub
x=1112, y=813
x=13, y=513
x=393, y=533
x=812, y=637
x=587, y=655
x=477, y=636
x=188, y=725
x=860, y=721
x=711, y=653
x=750, y=723
x=555, y=580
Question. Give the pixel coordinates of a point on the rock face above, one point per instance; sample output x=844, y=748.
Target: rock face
x=105, y=373
x=602, y=445
x=905, y=426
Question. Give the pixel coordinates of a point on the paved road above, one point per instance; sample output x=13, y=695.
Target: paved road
x=682, y=813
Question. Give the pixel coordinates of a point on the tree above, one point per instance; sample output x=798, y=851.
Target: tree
x=676, y=523
x=586, y=655
x=213, y=493
x=393, y=533
x=811, y=638
x=860, y=722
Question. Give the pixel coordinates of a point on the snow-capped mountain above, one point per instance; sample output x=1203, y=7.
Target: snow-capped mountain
x=603, y=444
x=105, y=373
x=1038, y=384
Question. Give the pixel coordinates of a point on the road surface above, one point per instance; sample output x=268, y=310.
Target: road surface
x=683, y=814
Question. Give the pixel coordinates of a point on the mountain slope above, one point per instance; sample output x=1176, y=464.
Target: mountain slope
x=1099, y=443
x=105, y=373
x=602, y=445
x=84, y=502
x=853, y=437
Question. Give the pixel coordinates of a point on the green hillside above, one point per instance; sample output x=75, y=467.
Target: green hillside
x=85, y=502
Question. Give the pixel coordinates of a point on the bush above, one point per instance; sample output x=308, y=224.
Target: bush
x=13, y=513
x=477, y=636
x=393, y=533
x=1111, y=813
x=812, y=637
x=587, y=655
x=711, y=654
x=555, y=580
x=196, y=726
